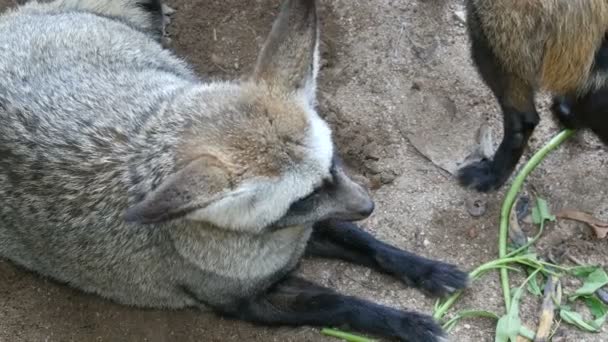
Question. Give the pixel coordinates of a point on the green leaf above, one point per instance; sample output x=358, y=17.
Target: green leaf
x=503, y=330
x=598, y=309
x=577, y=320
x=596, y=306
x=533, y=286
x=541, y=212
x=438, y=303
x=582, y=271
x=594, y=281
x=527, y=333
x=509, y=325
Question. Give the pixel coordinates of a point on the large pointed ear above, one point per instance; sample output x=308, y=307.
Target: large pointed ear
x=289, y=59
x=194, y=187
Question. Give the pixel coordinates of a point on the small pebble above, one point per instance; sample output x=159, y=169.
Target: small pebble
x=387, y=177
x=476, y=207
x=472, y=233
x=216, y=59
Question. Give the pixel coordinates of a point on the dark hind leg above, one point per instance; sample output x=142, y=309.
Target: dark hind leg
x=594, y=109
x=562, y=110
x=588, y=111
x=298, y=302
x=516, y=99
x=346, y=241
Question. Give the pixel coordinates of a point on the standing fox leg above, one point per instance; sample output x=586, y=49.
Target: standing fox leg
x=516, y=99
x=587, y=111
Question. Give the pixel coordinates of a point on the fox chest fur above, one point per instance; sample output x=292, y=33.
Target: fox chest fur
x=87, y=130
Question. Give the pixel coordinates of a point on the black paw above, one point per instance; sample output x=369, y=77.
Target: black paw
x=562, y=110
x=415, y=327
x=480, y=176
x=441, y=279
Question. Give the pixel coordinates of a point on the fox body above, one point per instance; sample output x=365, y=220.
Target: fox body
x=520, y=47
x=125, y=175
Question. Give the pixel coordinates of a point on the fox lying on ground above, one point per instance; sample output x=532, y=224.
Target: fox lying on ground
x=125, y=175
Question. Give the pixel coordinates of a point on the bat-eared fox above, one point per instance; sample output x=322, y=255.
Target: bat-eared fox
x=123, y=174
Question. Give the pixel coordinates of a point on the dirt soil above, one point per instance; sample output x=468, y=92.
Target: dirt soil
x=405, y=103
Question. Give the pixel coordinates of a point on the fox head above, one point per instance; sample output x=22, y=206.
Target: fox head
x=256, y=154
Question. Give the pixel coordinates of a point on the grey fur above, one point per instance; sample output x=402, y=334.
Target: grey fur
x=95, y=116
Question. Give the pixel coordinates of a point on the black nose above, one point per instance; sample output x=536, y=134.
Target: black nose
x=367, y=210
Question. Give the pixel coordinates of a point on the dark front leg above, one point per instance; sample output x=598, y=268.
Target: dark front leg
x=346, y=241
x=297, y=302
x=516, y=99
x=518, y=125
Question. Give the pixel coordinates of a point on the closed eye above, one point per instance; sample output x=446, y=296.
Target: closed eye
x=303, y=202
x=327, y=184
x=316, y=191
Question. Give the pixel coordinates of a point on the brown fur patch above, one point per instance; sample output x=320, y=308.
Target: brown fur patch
x=519, y=95
x=260, y=134
x=549, y=43
x=578, y=30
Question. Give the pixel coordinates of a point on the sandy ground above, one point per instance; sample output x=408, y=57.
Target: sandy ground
x=405, y=104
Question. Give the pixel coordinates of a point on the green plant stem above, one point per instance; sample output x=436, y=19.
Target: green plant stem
x=467, y=314
x=345, y=336
x=536, y=159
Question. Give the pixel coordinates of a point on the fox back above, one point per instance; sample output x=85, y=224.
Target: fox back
x=551, y=44
x=123, y=174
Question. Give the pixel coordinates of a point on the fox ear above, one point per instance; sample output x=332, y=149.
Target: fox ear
x=289, y=59
x=194, y=187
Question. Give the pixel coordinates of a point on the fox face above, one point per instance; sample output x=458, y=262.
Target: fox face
x=256, y=154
